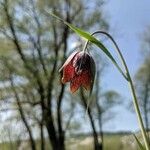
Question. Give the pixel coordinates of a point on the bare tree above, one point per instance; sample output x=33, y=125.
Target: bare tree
x=143, y=86
x=39, y=47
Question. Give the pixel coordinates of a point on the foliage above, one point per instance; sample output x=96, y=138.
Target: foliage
x=33, y=48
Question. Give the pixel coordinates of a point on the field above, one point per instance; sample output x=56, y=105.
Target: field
x=111, y=142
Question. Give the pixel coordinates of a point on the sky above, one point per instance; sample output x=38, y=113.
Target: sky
x=128, y=19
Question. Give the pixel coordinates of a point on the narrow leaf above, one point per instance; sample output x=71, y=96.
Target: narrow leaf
x=139, y=143
x=93, y=40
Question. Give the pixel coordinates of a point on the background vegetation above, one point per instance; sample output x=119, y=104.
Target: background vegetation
x=37, y=111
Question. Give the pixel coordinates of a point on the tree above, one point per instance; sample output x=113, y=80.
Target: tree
x=143, y=88
x=38, y=47
x=99, y=105
x=142, y=79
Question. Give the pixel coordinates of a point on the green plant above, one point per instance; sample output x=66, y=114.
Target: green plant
x=126, y=75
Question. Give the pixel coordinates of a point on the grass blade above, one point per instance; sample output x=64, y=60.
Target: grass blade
x=139, y=143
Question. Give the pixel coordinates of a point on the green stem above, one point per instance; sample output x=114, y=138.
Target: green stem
x=135, y=101
x=137, y=110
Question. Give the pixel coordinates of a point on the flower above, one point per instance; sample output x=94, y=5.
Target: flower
x=79, y=70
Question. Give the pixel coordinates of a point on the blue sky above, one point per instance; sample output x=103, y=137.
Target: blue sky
x=128, y=19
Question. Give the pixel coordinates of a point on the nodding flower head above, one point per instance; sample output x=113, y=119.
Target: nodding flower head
x=79, y=70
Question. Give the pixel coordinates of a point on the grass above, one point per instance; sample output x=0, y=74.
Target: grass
x=8, y=146
x=111, y=142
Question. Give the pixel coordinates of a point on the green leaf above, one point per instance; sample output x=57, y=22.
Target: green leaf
x=139, y=143
x=93, y=40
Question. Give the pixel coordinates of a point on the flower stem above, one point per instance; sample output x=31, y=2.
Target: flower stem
x=135, y=101
x=137, y=110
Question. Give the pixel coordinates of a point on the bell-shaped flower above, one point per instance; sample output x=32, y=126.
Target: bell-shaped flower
x=79, y=70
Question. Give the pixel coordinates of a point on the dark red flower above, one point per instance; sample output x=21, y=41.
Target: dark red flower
x=79, y=70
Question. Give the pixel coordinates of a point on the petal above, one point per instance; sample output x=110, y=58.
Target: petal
x=69, y=59
x=84, y=79
x=82, y=63
x=92, y=72
x=75, y=84
x=92, y=68
x=68, y=73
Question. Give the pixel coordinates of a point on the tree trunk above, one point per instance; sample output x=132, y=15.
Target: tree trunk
x=99, y=108
x=146, y=96
x=145, y=106
x=32, y=143
x=42, y=137
x=100, y=125
x=97, y=145
x=61, y=134
x=51, y=131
